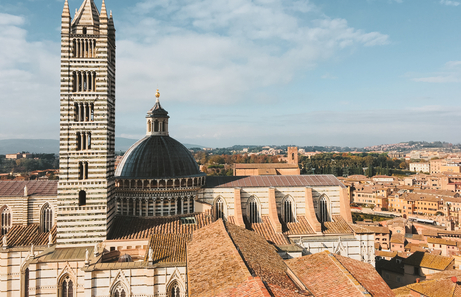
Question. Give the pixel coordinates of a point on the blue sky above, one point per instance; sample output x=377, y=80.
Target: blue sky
x=336, y=72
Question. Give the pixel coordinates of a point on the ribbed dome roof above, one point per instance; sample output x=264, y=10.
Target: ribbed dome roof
x=157, y=157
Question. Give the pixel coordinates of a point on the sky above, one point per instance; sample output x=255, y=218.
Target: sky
x=252, y=72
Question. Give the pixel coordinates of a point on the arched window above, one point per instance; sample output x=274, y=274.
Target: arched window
x=84, y=30
x=81, y=198
x=46, y=218
x=119, y=291
x=149, y=126
x=253, y=210
x=288, y=214
x=323, y=211
x=175, y=290
x=219, y=209
x=6, y=220
x=155, y=126
x=67, y=287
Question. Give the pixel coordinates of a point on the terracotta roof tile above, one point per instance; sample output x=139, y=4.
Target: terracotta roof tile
x=261, y=258
x=338, y=226
x=436, y=288
x=142, y=228
x=34, y=187
x=168, y=248
x=297, y=228
x=398, y=238
x=266, y=230
x=213, y=262
x=428, y=260
x=331, y=275
x=441, y=241
x=20, y=235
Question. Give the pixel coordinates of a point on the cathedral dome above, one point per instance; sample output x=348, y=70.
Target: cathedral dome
x=155, y=157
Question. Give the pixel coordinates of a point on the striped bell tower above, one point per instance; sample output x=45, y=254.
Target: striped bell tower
x=87, y=126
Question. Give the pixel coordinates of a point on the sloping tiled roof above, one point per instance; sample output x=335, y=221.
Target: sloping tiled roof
x=428, y=260
x=227, y=260
x=20, y=235
x=398, y=238
x=338, y=226
x=168, y=248
x=260, y=257
x=266, y=230
x=437, y=288
x=141, y=228
x=34, y=187
x=331, y=275
x=272, y=181
x=297, y=228
x=441, y=241
x=213, y=262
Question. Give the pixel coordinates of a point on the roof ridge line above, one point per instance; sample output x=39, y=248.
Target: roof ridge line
x=239, y=253
x=349, y=275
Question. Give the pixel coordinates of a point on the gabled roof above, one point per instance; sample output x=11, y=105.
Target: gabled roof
x=87, y=15
x=227, y=260
x=330, y=275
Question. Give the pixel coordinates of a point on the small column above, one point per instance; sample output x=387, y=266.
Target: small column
x=147, y=207
x=80, y=50
x=87, y=81
x=140, y=207
x=182, y=204
x=154, y=201
x=169, y=207
x=161, y=207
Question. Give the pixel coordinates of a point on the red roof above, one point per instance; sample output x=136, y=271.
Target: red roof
x=272, y=181
x=34, y=187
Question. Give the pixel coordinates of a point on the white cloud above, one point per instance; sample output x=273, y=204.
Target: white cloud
x=437, y=79
x=29, y=82
x=449, y=2
x=220, y=52
x=449, y=73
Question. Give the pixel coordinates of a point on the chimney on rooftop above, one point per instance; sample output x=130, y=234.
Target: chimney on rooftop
x=418, y=280
x=454, y=279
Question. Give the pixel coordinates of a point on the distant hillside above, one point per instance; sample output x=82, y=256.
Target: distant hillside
x=11, y=146
x=123, y=144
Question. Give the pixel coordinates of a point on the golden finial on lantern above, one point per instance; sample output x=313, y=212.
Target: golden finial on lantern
x=157, y=94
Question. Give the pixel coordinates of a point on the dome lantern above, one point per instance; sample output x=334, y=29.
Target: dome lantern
x=157, y=119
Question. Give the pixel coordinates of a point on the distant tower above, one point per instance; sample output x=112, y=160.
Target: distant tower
x=87, y=125
x=292, y=155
